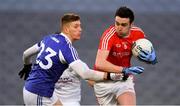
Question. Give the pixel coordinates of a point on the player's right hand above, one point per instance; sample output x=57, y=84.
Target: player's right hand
x=25, y=71
x=133, y=70
x=148, y=57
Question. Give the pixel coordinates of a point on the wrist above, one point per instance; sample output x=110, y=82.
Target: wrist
x=30, y=64
x=108, y=76
x=27, y=67
x=124, y=70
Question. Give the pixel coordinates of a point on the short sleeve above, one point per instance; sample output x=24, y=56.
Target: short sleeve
x=137, y=33
x=69, y=53
x=106, y=40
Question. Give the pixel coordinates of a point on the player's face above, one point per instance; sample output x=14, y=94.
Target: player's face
x=75, y=30
x=122, y=26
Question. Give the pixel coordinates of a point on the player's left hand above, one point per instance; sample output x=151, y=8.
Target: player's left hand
x=25, y=71
x=148, y=57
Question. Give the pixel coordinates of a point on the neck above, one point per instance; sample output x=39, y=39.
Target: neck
x=127, y=35
x=124, y=35
x=68, y=35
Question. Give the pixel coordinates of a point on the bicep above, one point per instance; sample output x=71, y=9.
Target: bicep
x=103, y=65
x=103, y=51
x=101, y=56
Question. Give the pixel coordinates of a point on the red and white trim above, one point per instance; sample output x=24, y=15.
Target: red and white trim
x=107, y=37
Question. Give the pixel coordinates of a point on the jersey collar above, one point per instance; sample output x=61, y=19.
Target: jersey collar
x=66, y=37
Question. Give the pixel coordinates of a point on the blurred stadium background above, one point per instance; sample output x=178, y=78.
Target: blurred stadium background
x=25, y=22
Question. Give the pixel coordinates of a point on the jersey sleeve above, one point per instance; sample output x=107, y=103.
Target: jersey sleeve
x=106, y=40
x=68, y=54
x=39, y=44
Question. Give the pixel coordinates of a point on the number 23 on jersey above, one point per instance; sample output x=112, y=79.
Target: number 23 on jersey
x=48, y=57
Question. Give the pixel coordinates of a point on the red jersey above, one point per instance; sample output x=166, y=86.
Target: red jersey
x=120, y=48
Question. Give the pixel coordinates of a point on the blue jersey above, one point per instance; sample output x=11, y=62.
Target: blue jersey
x=56, y=53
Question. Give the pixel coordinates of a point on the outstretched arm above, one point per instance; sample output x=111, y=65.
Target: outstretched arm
x=27, y=61
x=86, y=73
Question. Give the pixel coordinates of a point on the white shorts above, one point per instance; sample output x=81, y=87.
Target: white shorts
x=71, y=103
x=34, y=99
x=65, y=100
x=107, y=92
x=68, y=88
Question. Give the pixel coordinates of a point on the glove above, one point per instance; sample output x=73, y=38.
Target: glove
x=132, y=70
x=116, y=76
x=25, y=71
x=148, y=57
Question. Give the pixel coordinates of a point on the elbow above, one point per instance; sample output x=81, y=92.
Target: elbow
x=26, y=58
x=24, y=55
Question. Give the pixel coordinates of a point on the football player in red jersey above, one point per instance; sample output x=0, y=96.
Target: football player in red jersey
x=114, y=55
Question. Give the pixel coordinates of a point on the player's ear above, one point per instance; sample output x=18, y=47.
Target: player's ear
x=66, y=28
x=132, y=25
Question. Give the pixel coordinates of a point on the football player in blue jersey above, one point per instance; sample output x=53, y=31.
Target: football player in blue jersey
x=55, y=53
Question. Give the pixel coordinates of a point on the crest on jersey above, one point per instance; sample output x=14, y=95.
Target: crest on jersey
x=124, y=45
x=118, y=45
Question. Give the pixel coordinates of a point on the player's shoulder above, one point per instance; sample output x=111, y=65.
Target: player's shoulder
x=137, y=32
x=48, y=37
x=109, y=32
x=136, y=29
x=110, y=29
x=58, y=38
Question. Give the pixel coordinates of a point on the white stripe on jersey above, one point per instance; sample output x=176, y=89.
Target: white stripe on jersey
x=73, y=51
x=107, y=37
x=61, y=57
x=67, y=40
x=76, y=54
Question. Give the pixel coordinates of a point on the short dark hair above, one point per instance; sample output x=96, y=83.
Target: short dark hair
x=125, y=12
x=69, y=17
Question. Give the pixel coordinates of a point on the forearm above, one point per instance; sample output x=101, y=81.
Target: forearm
x=95, y=75
x=88, y=74
x=106, y=66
